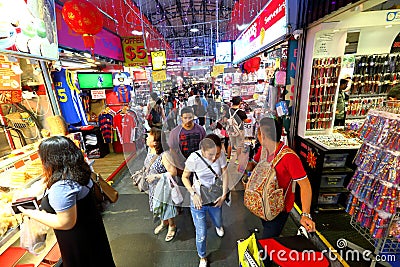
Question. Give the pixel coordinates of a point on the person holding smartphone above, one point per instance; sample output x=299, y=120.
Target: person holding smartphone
x=68, y=205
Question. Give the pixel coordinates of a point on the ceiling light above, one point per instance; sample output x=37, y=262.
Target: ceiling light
x=196, y=47
x=135, y=32
x=194, y=30
x=388, y=26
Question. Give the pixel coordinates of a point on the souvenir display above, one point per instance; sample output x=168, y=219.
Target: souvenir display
x=373, y=77
x=374, y=201
x=336, y=141
x=375, y=74
x=324, y=82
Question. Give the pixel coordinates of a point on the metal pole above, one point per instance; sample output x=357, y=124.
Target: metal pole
x=142, y=22
x=217, y=15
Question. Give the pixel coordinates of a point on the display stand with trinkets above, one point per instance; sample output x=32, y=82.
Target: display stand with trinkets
x=374, y=200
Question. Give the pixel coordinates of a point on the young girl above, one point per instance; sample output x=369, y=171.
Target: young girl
x=200, y=164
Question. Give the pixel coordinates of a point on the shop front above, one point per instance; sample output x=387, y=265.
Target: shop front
x=268, y=51
x=350, y=63
x=28, y=110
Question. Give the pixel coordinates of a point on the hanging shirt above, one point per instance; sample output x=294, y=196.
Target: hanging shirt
x=125, y=125
x=106, y=126
x=123, y=92
x=68, y=98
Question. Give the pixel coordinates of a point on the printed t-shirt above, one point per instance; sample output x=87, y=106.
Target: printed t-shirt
x=106, y=125
x=125, y=125
x=189, y=140
x=195, y=164
x=289, y=167
x=68, y=97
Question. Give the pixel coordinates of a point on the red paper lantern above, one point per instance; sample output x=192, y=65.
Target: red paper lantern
x=83, y=18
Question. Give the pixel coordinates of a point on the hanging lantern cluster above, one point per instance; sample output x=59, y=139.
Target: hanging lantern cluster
x=252, y=65
x=83, y=18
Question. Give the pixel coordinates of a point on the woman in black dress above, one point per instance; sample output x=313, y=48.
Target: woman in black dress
x=68, y=205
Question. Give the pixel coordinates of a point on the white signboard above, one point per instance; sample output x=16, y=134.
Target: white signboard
x=98, y=94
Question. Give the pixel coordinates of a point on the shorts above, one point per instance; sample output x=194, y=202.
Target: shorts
x=237, y=141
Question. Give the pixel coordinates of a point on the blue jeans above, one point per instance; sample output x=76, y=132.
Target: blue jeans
x=274, y=228
x=200, y=223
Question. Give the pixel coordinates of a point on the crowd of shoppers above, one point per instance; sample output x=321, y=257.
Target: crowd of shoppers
x=200, y=160
x=191, y=158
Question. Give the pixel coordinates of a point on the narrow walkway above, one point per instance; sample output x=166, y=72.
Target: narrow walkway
x=130, y=226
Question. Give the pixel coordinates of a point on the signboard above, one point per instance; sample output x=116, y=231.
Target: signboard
x=134, y=52
x=159, y=60
x=159, y=76
x=10, y=96
x=218, y=69
x=107, y=44
x=268, y=27
x=396, y=45
x=98, y=94
x=9, y=79
x=29, y=29
x=223, y=52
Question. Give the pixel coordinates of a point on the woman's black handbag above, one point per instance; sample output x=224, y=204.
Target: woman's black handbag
x=210, y=194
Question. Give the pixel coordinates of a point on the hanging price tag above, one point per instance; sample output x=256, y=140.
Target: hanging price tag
x=135, y=53
x=160, y=75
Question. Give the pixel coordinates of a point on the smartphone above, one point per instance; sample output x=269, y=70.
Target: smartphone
x=26, y=203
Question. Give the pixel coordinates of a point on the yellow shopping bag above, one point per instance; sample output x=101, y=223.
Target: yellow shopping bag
x=249, y=255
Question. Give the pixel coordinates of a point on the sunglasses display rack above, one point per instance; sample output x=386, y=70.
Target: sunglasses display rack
x=374, y=202
x=375, y=74
x=324, y=83
x=373, y=77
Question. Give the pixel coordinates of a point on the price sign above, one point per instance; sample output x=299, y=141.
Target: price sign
x=134, y=52
x=160, y=75
x=98, y=94
x=10, y=96
x=218, y=68
x=159, y=60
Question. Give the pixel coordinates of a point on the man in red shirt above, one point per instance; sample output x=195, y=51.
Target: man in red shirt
x=288, y=169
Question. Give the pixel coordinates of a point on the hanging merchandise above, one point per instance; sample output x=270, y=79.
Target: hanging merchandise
x=68, y=98
x=83, y=18
x=375, y=194
x=324, y=81
x=106, y=125
x=124, y=125
x=122, y=86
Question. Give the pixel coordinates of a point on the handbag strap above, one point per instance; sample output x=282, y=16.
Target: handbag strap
x=152, y=161
x=208, y=165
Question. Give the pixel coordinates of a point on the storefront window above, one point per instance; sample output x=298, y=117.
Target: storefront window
x=24, y=103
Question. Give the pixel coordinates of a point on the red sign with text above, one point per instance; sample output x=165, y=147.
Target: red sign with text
x=269, y=26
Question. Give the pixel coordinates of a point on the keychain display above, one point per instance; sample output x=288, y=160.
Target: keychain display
x=336, y=141
x=324, y=82
x=374, y=202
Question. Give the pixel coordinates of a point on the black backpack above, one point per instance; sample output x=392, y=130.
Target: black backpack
x=155, y=116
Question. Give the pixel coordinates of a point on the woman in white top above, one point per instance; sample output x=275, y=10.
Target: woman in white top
x=199, y=164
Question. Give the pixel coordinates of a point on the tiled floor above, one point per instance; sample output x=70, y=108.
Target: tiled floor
x=130, y=226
